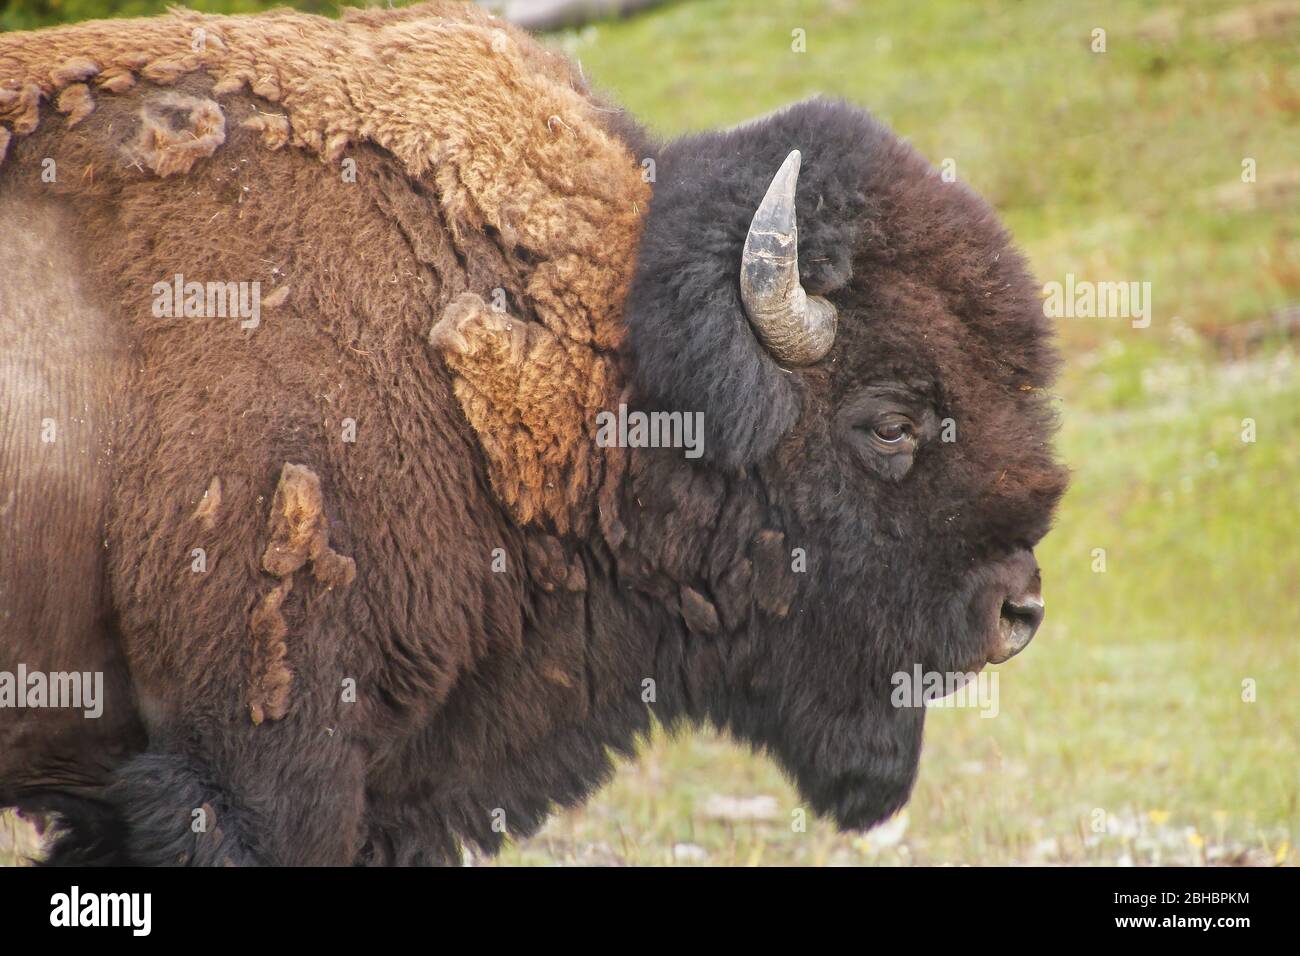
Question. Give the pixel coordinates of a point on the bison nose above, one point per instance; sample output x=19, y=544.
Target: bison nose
x=1017, y=625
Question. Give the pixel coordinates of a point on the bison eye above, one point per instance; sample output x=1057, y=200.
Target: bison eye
x=883, y=426
x=892, y=433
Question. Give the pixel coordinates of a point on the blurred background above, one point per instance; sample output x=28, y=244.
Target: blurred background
x=1156, y=718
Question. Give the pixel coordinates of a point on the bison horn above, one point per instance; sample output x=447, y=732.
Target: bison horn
x=798, y=329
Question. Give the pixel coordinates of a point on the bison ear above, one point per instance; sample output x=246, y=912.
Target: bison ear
x=691, y=344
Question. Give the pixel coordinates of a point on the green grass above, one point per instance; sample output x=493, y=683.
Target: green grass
x=1117, y=165
x=1122, y=165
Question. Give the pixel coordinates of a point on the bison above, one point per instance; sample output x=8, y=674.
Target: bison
x=342, y=366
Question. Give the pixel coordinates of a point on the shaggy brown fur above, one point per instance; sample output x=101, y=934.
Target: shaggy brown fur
x=482, y=169
x=503, y=132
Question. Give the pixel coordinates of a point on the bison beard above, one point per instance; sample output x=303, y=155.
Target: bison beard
x=362, y=583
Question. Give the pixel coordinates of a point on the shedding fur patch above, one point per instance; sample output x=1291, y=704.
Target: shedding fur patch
x=299, y=535
x=176, y=132
x=552, y=567
x=771, y=561
x=20, y=105
x=115, y=81
x=268, y=696
x=698, y=612
x=533, y=398
x=274, y=128
x=76, y=70
x=300, y=531
x=209, y=505
x=76, y=102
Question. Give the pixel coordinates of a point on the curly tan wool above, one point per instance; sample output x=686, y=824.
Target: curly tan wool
x=299, y=533
x=506, y=133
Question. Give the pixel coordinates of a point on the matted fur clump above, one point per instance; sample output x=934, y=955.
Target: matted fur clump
x=311, y=332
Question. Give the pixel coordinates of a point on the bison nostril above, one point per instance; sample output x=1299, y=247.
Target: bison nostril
x=1017, y=625
x=1029, y=608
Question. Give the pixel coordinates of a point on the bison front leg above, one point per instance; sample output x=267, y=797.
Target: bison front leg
x=245, y=800
x=175, y=813
x=254, y=753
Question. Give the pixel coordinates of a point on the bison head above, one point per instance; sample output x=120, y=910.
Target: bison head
x=870, y=356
